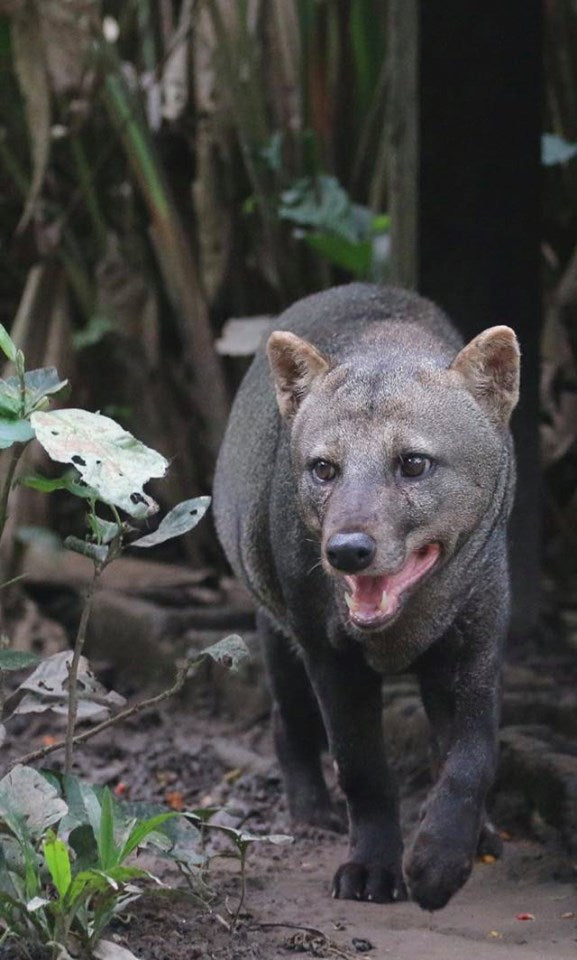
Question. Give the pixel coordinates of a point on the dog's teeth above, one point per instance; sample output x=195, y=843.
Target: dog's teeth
x=350, y=602
x=384, y=604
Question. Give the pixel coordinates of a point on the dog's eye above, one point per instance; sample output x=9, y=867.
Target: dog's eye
x=414, y=465
x=323, y=471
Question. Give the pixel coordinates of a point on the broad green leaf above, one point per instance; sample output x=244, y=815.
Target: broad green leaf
x=94, y=551
x=352, y=256
x=39, y=385
x=82, y=841
x=231, y=652
x=108, y=853
x=58, y=862
x=17, y=659
x=108, y=458
x=25, y=793
x=68, y=481
x=84, y=807
x=181, y=519
x=7, y=344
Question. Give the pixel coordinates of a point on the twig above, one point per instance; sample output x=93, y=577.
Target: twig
x=7, y=485
x=73, y=671
x=181, y=676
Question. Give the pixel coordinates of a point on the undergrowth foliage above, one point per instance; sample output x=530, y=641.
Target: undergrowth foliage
x=67, y=849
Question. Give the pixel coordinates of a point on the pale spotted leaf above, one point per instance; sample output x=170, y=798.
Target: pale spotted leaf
x=108, y=458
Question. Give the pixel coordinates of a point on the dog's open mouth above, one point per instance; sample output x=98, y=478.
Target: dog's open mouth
x=374, y=600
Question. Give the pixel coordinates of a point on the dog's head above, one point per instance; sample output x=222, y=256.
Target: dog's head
x=396, y=466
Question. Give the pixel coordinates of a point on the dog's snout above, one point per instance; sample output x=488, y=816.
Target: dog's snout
x=350, y=552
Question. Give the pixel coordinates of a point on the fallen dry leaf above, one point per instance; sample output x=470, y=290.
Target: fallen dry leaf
x=174, y=799
x=488, y=858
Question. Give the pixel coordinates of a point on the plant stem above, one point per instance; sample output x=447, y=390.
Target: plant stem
x=5, y=492
x=181, y=676
x=73, y=672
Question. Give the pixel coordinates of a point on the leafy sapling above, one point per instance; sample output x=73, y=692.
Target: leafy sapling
x=112, y=468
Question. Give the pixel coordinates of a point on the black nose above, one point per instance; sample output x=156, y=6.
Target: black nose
x=351, y=552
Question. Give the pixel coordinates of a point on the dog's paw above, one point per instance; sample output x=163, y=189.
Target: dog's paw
x=434, y=870
x=369, y=881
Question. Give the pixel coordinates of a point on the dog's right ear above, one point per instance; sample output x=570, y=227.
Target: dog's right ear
x=295, y=364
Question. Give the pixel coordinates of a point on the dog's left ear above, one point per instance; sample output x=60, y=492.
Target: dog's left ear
x=295, y=365
x=489, y=365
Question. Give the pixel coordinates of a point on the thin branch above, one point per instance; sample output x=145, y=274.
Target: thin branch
x=181, y=676
x=7, y=485
x=73, y=671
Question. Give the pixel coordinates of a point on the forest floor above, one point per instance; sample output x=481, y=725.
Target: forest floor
x=213, y=747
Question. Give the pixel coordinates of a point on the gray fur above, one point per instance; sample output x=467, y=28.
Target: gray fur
x=389, y=389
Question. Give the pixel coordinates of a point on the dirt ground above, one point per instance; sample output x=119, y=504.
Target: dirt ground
x=213, y=747
x=184, y=752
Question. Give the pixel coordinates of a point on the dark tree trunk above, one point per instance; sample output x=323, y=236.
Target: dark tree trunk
x=475, y=201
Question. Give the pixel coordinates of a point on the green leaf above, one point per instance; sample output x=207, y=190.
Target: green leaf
x=58, y=862
x=322, y=202
x=68, y=481
x=39, y=385
x=7, y=344
x=107, y=851
x=103, y=530
x=17, y=659
x=98, y=553
x=142, y=830
x=181, y=519
x=83, y=842
x=14, y=431
x=354, y=257
x=108, y=458
x=231, y=652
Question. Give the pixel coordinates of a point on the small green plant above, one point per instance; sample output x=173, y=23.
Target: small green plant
x=67, y=859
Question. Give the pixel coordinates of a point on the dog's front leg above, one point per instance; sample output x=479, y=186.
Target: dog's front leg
x=349, y=693
x=461, y=696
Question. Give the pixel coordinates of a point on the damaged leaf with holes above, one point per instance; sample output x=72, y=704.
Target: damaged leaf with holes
x=47, y=689
x=109, y=459
x=181, y=519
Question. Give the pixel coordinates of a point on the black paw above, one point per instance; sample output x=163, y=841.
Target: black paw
x=435, y=870
x=369, y=881
x=490, y=843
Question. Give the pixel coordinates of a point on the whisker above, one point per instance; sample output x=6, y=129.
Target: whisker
x=314, y=567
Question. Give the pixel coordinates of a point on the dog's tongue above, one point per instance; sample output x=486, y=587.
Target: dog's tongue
x=372, y=598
